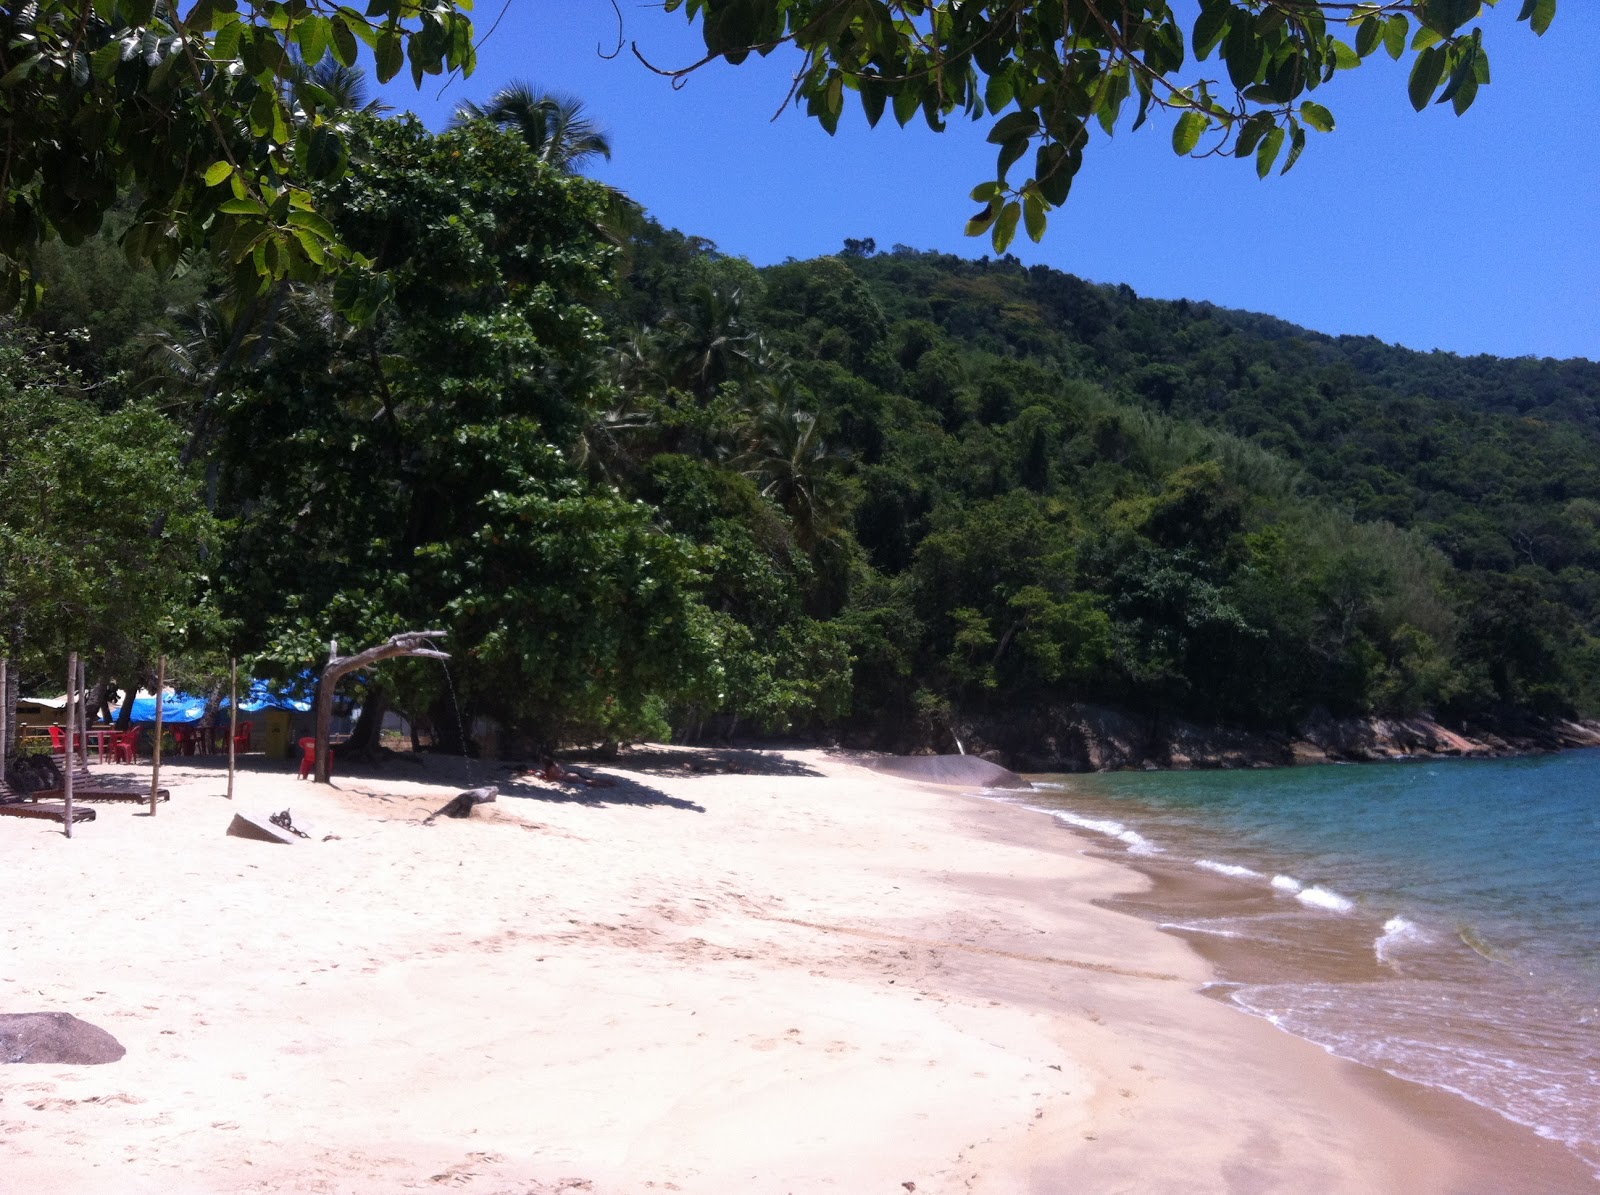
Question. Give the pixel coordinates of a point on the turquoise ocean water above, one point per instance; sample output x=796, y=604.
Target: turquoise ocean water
x=1447, y=912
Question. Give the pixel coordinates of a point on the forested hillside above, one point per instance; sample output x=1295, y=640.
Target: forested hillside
x=648, y=488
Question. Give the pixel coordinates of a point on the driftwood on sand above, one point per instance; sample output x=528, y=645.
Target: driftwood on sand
x=462, y=804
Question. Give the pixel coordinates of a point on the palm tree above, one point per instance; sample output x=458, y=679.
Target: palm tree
x=334, y=87
x=710, y=342
x=785, y=455
x=554, y=126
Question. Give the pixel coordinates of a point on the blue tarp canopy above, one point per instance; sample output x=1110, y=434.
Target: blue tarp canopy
x=179, y=708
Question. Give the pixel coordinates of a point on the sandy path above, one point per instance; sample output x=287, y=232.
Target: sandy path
x=810, y=980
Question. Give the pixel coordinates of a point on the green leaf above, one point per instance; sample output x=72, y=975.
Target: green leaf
x=1267, y=152
x=1425, y=75
x=1250, y=135
x=1317, y=117
x=1243, y=50
x=1186, y=133
x=243, y=207
x=345, y=50
x=1209, y=28
x=1053, y=171
x=104, y=61
x=1033, y=216
x=1009, y=153
x=1448, y=15
x=874, y=95
x=312, y=35
x=1394, y=35
x=312, y=246
x=980, y=223
x=19, y=72
x=390, y=55
x=1368, y=36
x=1297, y=145
x=218, y=172
x=311, y=222
x=999, y=91
x=1005, y=227
x=906, y=102
x=1012, y=125
x=1538, y=14
x=225, y=45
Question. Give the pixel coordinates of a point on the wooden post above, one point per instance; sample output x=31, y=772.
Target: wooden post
x=83, y=712
x=233, y=718
x=155, y=762
x=66, y=756
x=5, y=708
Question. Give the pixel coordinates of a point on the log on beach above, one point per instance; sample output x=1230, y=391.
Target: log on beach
x=967, y=771
x=462, y=804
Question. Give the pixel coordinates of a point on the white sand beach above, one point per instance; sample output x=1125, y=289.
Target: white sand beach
x=803, y=977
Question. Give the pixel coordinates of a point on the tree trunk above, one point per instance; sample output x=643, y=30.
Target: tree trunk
x=13, y=690
x=449, y=736
x=367, y=735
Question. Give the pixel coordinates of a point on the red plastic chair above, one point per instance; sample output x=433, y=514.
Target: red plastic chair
x=125, y=747
x=58, y=738
x=183, y=738
x=241, y=739
x=308, y=757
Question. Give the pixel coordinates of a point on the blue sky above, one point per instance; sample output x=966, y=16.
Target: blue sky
x=1472, y=234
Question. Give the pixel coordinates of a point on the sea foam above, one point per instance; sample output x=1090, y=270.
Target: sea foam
x=1200, y=929
x=1324, y=898
x=1397, y=932
x=1286, y=883
x=1227, y=869
x=1136, y=842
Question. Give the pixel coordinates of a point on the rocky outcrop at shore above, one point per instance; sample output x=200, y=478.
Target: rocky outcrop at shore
x=1086, y=738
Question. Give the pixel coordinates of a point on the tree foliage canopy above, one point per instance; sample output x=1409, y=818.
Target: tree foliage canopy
x=1050, y=71
x=204, y=112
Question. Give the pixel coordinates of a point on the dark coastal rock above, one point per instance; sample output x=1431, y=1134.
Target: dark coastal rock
x=33, y=774
x=57, y=1037
x=1087, y=738
x=969, y=771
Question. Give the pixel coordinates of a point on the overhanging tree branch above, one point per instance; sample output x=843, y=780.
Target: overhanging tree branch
x=418, y=644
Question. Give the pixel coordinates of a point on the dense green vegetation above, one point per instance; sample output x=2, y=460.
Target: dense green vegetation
x=648, y=488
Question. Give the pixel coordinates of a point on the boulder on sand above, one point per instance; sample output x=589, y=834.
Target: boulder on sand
x=964, y=771
x=57, y=1037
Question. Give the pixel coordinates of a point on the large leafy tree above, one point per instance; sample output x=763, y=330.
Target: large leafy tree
x=424, y=469
x=80, y=569
x=1050, y=71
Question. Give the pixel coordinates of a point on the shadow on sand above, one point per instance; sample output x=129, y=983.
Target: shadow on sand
x=702, y=761
x=615, y=790
x=621, y=782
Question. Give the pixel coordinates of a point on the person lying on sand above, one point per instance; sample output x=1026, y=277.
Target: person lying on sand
x=552, y=772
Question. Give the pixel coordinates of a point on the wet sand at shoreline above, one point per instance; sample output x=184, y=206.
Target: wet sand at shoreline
x=796, y=976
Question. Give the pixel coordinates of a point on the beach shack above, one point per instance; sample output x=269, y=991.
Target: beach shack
x=278, y=716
